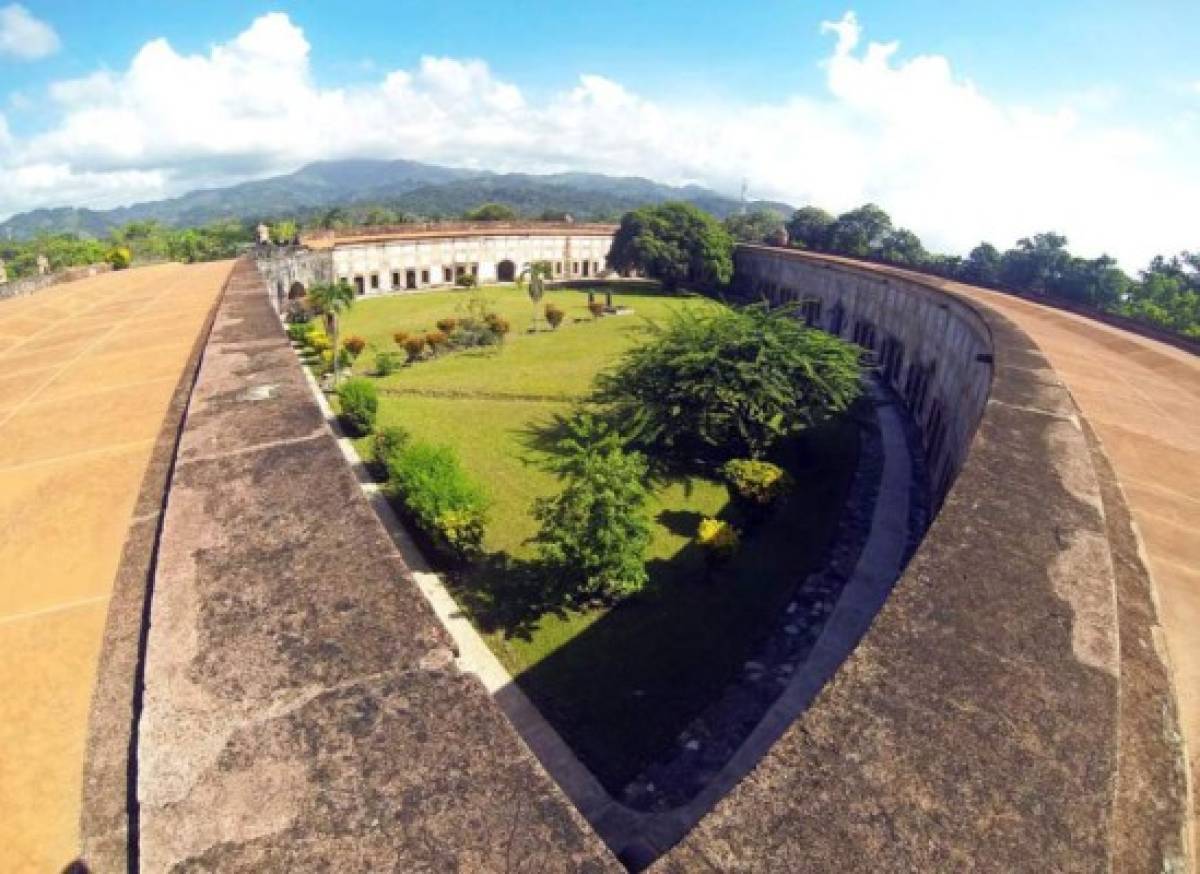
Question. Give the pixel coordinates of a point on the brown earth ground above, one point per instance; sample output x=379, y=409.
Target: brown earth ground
x=1142, y=398
x=86, y=373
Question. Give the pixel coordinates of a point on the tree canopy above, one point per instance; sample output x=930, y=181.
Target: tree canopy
x=756, y=226
x=676, y=243
x=491, y=212
x=724, y=383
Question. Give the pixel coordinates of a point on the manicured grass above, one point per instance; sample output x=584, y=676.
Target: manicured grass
x=618, y=683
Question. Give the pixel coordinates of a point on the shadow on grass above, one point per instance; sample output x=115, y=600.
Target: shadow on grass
x=620, y=682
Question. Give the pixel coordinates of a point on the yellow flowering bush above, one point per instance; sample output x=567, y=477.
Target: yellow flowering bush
x=717, y=538
x=757, y=482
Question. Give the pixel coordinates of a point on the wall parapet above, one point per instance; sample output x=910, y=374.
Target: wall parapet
x=30, y=284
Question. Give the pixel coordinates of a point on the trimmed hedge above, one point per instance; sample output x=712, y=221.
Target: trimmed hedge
x=439, y=496
x=360, y=404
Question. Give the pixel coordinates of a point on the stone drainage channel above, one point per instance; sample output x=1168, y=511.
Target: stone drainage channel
x=832, y=609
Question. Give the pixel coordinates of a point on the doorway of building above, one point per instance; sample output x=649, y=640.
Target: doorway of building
x=410, y=279
x=506, y=271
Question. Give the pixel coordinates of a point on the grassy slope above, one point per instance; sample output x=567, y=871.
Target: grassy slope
x=618, y=684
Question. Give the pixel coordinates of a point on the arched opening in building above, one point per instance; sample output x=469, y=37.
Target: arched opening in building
x=506, y=271
x=297, y=290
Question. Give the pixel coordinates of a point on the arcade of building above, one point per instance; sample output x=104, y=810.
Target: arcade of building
x=416, y=259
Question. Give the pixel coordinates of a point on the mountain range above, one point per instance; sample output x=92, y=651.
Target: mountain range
x=422, y=190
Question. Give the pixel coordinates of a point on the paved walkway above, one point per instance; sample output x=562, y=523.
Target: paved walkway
x=86, y=372
x=1142, y=398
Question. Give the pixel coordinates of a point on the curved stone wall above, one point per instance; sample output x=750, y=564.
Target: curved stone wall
x=934, y=349
x=1007, y=709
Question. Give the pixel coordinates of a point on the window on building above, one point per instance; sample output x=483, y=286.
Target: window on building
x=447, y=274
x=558, y=268
x=395, y=279
x=374, y=281
x=424, y=277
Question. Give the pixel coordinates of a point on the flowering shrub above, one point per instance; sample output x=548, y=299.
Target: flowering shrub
x=717, y=538
x=447, y=325
x=499, y=325
x=317, y=341
x=414, y=347
x=757, y=482
x=436, y=340
x=400, y=337
x=354, y=345
x=596, y=309
x=297, y=331
x=554, y=315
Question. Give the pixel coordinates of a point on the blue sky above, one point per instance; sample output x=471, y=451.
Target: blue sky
x=1102, y=87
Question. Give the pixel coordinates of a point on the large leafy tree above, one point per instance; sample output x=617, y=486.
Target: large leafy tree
x=723, y=383
x=902, y=246
x=756, y=226
x=982, y=265
x=676, y=243
x=809, y=227
x=860, y=232
x=595, y=532
x=1036, y=263
x=491, y=212
x=331, y=299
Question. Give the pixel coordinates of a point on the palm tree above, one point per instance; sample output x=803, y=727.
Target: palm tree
x=536, y=273
x=330, y=299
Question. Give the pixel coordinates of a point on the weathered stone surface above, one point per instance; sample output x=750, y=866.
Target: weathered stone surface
x=979, y=725
x=300, y=708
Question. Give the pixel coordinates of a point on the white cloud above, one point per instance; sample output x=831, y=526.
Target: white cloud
x=943, y=157
x=23, y=36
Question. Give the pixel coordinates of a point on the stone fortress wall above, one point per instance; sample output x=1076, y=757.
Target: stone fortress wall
x=1008, y=709
x=30, y=284
x=933, y=349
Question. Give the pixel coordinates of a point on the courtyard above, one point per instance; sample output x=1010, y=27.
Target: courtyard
x=618, y=680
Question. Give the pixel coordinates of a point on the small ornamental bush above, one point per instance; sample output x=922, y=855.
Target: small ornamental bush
x=354, y=345
x=595, y=533
x=757, y=482
x=444, y=502
x=317, y=341
x=360, y=403
x=447, y=325
x=400, y=337
x=297, y=331
x=414, y=347
x=717, y=538
x=436, y=340
x=499, y=325
x=119, y=257
x=467, y=280
x=388, y=442
x=596, y=309
x=554, y=315
x=387, y=362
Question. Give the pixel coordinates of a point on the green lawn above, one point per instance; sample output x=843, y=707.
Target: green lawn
x=619, y=684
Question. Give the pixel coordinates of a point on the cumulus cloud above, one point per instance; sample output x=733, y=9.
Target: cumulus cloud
x=24, y=37
x=910, y=133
